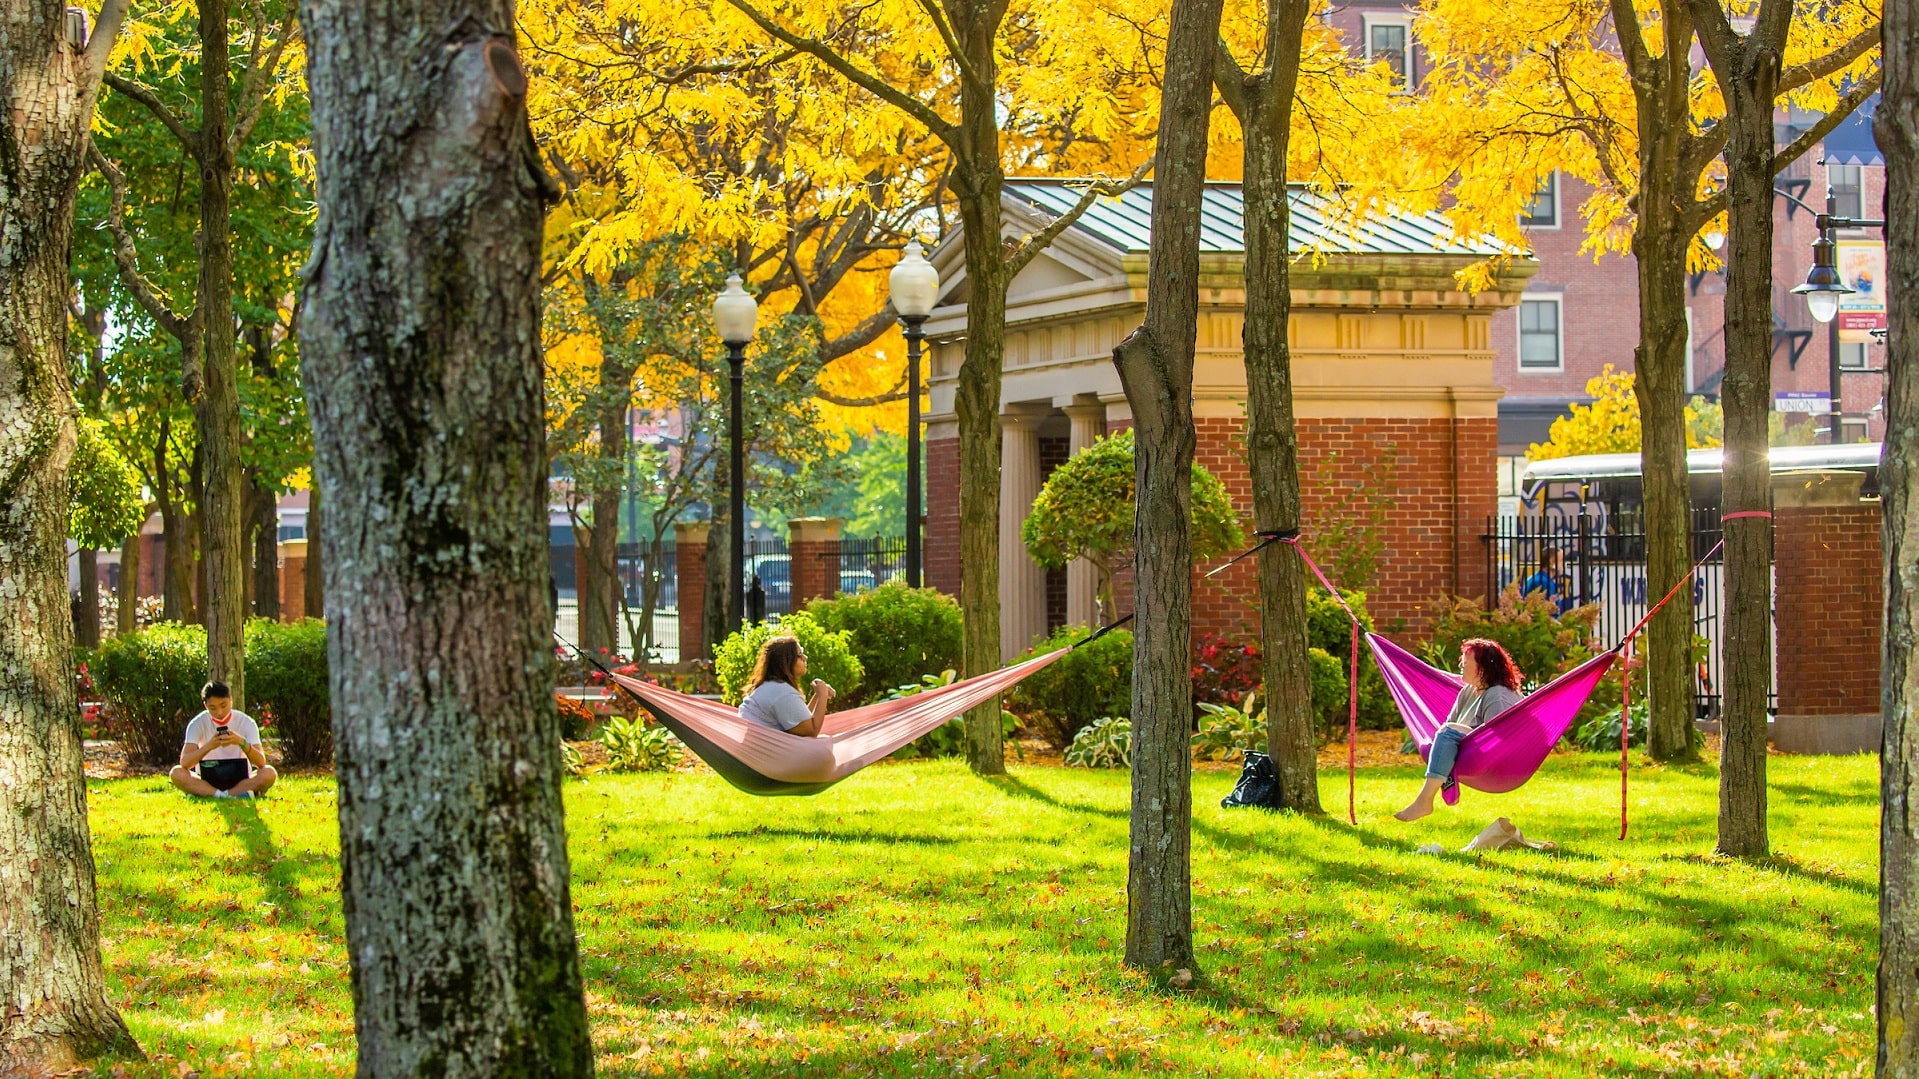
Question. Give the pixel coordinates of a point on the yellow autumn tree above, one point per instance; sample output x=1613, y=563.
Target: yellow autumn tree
x=1610, y=424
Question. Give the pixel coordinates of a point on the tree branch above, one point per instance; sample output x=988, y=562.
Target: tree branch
x=1835, y=61
x=106, y=30
x=967, y=71
x=897, y=393
x=1230, y=79
x=1034, y=244
x=1817, y=133
x=253, y=90
x=859, y=336
x=189, y=139
x=865, y=80
x=124, y=257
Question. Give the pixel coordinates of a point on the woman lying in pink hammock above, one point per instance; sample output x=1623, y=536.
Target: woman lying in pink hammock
x=1492, y=686
x=773, y=693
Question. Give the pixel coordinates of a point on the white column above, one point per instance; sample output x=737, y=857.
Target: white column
x=1022, y=584
x=1082, y=580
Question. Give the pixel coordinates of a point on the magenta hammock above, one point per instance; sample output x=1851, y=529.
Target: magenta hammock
x=1503, y=752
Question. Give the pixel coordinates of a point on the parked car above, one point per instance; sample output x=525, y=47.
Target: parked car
x=775, y=572
x=857, y=580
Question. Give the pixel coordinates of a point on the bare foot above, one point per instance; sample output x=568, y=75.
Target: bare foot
x=1415, y=811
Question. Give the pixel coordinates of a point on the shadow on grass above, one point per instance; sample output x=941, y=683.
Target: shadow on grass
x=822, y=836
x=279, y=875
x=1019, y=788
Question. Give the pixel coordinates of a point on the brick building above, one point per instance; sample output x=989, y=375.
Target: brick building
x=1390, y=360
x=1578, y=314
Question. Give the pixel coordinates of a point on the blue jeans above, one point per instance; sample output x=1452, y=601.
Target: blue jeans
x=1445, y=753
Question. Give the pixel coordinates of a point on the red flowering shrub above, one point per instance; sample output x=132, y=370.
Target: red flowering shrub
x=1224, y=670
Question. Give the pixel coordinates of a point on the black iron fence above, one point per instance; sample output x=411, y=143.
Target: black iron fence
x=1603, y=561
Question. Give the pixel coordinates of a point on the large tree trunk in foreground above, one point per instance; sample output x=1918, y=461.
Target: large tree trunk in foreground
x=54, y=1010
x=1156, y=364
x=216, y=407
x=1264, y=104
x=425, y=269
x=1747, y=67
x=1897, y=129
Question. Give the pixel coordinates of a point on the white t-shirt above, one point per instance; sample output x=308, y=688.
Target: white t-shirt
x=776, y=705
x=200, y=732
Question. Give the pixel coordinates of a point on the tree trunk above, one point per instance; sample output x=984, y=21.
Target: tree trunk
x=54, y=1010
x=176, y=551
x=86, y=620
x=600, y=590
x=313, y=584
x=126, y=601
x=1272, y=443
x=1897, y=129
x=266, y=552
x=426, y=269
x=716, y=600
x=1156, y=365
x=216, y=408
x=1747, y=68
x=977, y=179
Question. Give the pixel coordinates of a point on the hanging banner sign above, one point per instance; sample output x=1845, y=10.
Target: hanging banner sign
x=1862, y=265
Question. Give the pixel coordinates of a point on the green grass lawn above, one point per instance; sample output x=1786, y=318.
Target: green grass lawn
x=916, y=921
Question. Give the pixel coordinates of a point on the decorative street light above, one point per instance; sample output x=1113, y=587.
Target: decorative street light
x=915, y=285
x=734, y=315
x=1824, y=285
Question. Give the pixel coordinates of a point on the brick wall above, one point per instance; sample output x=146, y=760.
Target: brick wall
x=293, y=582
x=815, y=562
x=1053, y=453
x=690, y=573
x=941, y=544
x=1828, y=609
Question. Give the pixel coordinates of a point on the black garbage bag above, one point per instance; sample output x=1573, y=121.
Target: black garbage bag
x=1258, y=785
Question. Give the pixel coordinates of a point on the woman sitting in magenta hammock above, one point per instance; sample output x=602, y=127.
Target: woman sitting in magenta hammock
x=773, y=693
x=1492, y=686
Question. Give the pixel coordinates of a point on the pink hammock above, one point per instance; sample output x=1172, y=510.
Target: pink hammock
x=1503, y=752
x=760, y=760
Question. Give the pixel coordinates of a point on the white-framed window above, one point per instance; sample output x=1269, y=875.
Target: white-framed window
x=1848, y=184
x=1543, y=211
x=1852, y=355
x=1542, y=338
x=1389, y=41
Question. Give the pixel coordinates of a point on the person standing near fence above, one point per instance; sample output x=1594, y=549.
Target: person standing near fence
x=1550, y=579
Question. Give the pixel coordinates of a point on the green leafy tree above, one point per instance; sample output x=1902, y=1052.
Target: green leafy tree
x=1085, y=510
x=103, y=502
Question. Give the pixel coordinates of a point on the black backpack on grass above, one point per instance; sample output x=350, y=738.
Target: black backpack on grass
x=1258, y=785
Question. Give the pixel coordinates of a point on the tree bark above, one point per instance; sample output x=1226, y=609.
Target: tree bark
x=266, y=551
x=216, y=409
x=600, y=588
x=54, y=1010
x=1667, y=217
x=1156, y=365
x=1896, y=128
x=977, y=179
x=426, y=269
x=1747, y=68
x=86, y=620
x=126, y=601
x=1264, y=105
x=313, y=584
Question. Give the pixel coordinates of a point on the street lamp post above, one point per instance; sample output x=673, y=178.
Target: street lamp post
x=1824, y=285
x=915, y=286
x=734, y=315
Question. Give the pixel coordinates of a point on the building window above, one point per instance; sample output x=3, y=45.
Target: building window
x=1854, y=431
x=1539, y=336
x=1389, y=42
x=1852, y=355
x=1848, y=189
x=1543, y=211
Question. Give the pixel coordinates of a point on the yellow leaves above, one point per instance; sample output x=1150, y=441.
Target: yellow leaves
x=1611, y=423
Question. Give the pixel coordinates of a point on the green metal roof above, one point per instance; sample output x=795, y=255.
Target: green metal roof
x=1125, y=222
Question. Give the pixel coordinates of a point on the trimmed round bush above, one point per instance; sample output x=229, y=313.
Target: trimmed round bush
x=829, y=655
x=1079, y=687
x=152, y=681
x=899, y=635
x=287, y=686
x=1329, y=630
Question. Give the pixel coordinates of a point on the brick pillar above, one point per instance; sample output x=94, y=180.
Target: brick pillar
x=1829, y=601
x=293, y=576
x=1022, y=584
x=813, y=543
x=689, y=558
x=941, y=552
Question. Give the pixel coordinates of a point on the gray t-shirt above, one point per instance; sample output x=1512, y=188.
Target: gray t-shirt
x=776, y=705
x=1474, y=707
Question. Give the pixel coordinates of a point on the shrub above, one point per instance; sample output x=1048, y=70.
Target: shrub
x=949, y=738
x=152, y=683
x=634, y=747
x=576, y=718
x=829, y=655
x=1601, y=734
x=1331, y=702
x=1331, y=631
x=1106, y=742
x=1224, y=670
x=898, y=633
x=1081, y=686
x=287, y=686
x=1226, y=731
x=1543, y=642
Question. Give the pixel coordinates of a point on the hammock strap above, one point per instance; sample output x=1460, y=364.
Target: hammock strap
x=1352, y=726
x=1667, y=598
x=1321, y=574
x=1625, y=726
x=1104, y=630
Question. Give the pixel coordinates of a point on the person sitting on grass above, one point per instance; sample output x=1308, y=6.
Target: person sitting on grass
x=773, y=693
x=225, y=747
x=1492, y=686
